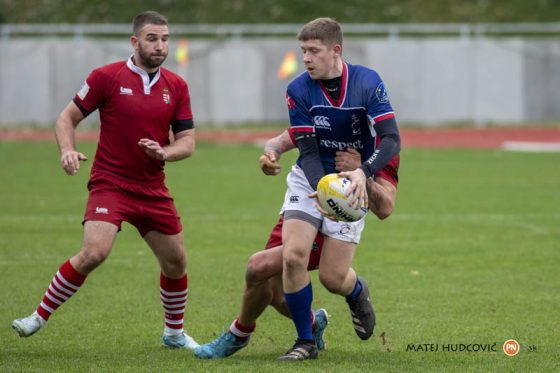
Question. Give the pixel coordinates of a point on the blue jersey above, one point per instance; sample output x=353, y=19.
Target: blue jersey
x=363, y=101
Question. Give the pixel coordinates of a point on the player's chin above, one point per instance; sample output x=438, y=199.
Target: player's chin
x=312, y=73
x=157, y=60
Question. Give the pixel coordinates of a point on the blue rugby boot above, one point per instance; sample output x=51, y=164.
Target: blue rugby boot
x=321, y=322
x=225, y=345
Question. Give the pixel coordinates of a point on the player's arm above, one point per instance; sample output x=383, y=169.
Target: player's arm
x=273, y=149
x=306, y=141
x=65, y=130
x=381, y=197
x=389, y=146
x=381, y=193
x=182, y=147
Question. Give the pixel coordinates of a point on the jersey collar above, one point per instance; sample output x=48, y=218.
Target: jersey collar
x=343, y=86
x=144, y=75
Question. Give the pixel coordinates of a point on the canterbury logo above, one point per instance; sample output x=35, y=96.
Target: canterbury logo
x=321, y=122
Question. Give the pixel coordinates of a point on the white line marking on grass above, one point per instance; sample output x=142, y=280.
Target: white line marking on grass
x=528, y=146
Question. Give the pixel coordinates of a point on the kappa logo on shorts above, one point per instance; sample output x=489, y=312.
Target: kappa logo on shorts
x=101, y=210
x=294, y=199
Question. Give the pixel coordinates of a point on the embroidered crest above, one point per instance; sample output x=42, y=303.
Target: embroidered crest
x=381, y=93
x=166, y=97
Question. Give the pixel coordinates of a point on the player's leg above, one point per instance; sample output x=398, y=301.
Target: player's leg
x=338, y=277
x=170, y=253
x=298, y=236
x=261, y=267
x=97, y=243
x=335, y=272
x=319, y=317
x=258, y=294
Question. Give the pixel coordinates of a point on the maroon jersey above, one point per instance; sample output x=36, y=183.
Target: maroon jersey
x=132, y=107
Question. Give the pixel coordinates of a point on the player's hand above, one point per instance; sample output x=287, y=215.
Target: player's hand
x=347, y=160
x=321, y=210
x=357, y=188
x=153, y=149
x=269, y=164
x=70, y=161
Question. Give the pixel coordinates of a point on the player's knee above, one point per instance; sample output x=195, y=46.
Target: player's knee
x=256, y=269
x=332, y=281
x=174, y=267
x=294, y=259
x=90, y=258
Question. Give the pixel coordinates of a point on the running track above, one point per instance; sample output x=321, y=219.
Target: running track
x=486, y=138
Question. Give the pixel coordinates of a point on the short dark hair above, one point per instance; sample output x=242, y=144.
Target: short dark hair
x=147, y=18
x=325, y=29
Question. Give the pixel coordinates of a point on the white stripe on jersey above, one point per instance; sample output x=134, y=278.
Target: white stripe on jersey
x=338, y=108
x=381, y=115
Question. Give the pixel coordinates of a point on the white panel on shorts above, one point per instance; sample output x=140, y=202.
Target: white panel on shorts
x=296, y=200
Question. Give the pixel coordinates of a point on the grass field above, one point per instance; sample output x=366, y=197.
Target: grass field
x=469, y=257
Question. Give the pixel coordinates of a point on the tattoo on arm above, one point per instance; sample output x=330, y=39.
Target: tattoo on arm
x=272, y=146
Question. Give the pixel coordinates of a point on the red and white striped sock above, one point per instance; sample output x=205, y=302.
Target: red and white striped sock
x=173, y=295
x=64, y=284
x=242, y=332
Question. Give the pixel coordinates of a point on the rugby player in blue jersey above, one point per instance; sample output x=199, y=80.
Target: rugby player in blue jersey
x=263, y=277
x=332, y=106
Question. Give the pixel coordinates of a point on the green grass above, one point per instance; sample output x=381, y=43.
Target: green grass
x=469, y=256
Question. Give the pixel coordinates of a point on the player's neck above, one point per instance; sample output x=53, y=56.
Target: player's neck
x=336, y=71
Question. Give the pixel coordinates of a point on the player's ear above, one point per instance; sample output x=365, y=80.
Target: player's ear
x=134, y=42
x=337, y=48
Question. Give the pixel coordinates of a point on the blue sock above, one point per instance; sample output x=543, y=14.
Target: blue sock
x=357, y=290
x=299, y=304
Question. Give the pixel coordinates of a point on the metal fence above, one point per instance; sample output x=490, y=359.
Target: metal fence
x=436, y=74
x=371, y=29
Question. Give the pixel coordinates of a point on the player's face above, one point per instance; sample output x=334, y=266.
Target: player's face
x=151, y=47
x=320, y=60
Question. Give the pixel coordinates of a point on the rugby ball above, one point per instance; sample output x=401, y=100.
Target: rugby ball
x=331, y=195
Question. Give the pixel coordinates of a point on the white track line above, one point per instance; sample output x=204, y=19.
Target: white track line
x=531, y=146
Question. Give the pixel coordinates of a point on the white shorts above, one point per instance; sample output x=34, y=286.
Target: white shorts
x=298, y=206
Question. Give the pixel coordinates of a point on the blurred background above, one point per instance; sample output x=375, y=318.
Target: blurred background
x=483, y=62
